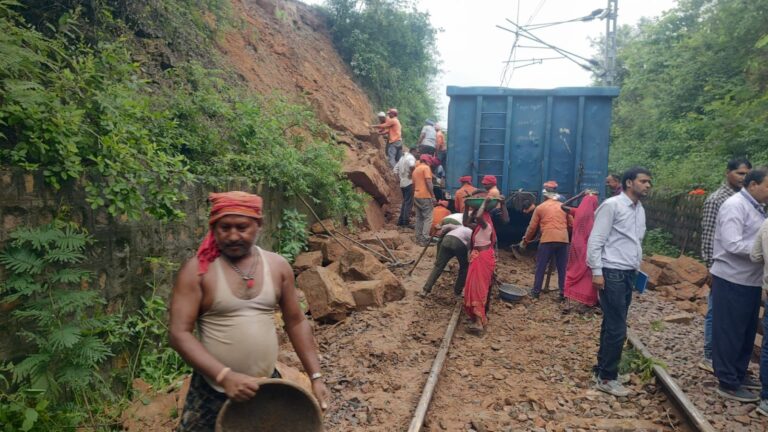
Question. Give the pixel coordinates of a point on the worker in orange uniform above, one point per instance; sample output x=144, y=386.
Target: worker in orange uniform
x=424, y=196
x=553, y=223
x=489, y=183
x=440, y=146
x=392, y=128
x=439, y=213
x=465, y=191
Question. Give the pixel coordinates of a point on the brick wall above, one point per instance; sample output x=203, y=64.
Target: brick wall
x=119, y=254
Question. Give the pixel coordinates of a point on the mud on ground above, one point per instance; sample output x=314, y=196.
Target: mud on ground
x=530, y=371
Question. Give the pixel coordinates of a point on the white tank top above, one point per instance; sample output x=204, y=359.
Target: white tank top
x=241, y=333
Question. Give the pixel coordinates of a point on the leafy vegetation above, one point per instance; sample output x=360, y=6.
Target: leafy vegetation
x=694, y=92
x=62, y=322
x=659, y=242
x=633, y=361
x=83, y=102
x=390, y=47
x=87, y=113
x=291, y=234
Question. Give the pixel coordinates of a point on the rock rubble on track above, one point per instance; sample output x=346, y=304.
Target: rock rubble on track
x=530, y=371
x=680, y=345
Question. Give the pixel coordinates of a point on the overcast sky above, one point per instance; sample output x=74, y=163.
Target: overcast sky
x=473, y=50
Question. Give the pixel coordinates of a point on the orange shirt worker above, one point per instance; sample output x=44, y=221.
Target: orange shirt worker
x=392, y=128
x=465, y=191
x=424, y=196
x=553, y=223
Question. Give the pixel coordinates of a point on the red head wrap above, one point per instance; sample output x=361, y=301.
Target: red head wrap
x=224, y=204
x=550, y=185
x=426, y=159
x=465, y=179
x=489, y=180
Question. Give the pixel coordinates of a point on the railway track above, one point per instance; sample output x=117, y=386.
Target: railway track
x=693, y=419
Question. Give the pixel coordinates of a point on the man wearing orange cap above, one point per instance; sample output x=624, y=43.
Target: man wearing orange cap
x=490, y=184
x=465, y=191
x=439, y=213
x=553, y=222
x=395, y=141
x=230, y=290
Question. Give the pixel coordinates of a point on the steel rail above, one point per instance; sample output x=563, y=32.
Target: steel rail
x=695, y=417
x=434, y=374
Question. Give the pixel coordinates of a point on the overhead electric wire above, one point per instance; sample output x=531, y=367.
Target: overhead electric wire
x=521, y=32
x=506, y=73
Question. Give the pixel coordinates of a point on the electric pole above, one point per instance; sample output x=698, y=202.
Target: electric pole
x=610, y=43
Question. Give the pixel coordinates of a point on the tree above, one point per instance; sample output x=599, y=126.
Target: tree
x=694, y=92
x=390, y=47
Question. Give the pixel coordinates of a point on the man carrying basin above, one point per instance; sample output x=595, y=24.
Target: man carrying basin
x=231, y=290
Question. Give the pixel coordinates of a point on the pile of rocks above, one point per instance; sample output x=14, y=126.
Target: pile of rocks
x=680, y=280
x=337, y=279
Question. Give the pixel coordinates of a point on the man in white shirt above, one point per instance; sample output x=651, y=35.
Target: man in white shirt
x=736, y=289
x=403, y=170
x=428, y=138
x=759, y=254
x=614, y=253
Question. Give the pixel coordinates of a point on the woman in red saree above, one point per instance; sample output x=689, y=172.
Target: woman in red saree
x=578, y=277
x=482, y=262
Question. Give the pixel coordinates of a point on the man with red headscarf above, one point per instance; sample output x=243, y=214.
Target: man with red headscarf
x=230, y=290
x=490, y=184
x=465, y=191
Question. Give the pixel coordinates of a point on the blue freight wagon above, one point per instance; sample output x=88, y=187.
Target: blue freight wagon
x=525, y=137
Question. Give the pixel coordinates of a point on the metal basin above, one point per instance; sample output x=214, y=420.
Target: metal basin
x=511, y=293
x=279, y=406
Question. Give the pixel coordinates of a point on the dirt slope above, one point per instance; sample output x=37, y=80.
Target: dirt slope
x=285, y=47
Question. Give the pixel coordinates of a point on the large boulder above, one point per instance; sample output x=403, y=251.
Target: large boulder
x=317, y=227
x=660, y=260
x=358, y=265
x=370, y=180
x=332, y=251
x=375, y=219
x=391, y=238
x=685, y=291
x=689, y=270
x=315, y=243
x=367, y=293
x=308, y=260
x=327, y=293
x=669, y=277
x=653, y=272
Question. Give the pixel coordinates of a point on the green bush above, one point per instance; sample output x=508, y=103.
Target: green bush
x=87, y=113
x=390, y=47
x=56, y=382
x=291, y=234
x=659, y=242
x=693, y=92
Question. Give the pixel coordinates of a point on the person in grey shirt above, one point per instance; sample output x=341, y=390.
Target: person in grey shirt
x=759, y=255
x=735, y=172
x=427, y=138
x=614, y=253
x=736, y=292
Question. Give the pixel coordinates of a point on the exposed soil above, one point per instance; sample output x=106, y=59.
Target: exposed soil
x=530, y=371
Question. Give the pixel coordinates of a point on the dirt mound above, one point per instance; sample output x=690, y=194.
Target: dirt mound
x=285, y=47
